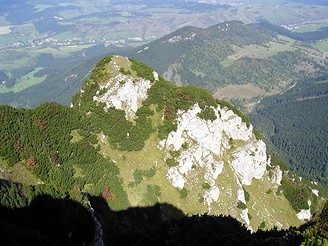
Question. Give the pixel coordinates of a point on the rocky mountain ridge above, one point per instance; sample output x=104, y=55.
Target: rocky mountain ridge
x=134, y=140
x=207, y=159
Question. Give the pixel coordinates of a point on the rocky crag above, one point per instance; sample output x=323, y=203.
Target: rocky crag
x=184, y=148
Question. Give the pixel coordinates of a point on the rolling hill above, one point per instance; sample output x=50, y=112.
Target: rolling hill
x=252, y=58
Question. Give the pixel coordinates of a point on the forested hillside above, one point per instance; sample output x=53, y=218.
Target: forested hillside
x=231, y=53
x=296, y=124
x=55, y=144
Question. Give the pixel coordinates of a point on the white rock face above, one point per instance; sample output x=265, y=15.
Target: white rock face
x=155, y=75
x=208, y=141
x=176, y=177
x=212, y=195
x=277, y=175
x=250, y=162
x=124, y=92
x=305, y=214
x=278, y=225
x=103, y=137
x=203, y=144
x=240, y=193
x=234, y=127
x=315, y=192
x=179, y=38
x=244, y=216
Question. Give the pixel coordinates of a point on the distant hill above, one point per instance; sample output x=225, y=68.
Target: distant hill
x=63, y=78
x=68, y=30
x=322, y=33
x=254, y=56
x=314, y=2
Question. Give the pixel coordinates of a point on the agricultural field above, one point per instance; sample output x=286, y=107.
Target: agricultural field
x=312, y=26
x=322, y=45
x=261, y=51
x=5, y=30
x=240, y=92
x=25, y=82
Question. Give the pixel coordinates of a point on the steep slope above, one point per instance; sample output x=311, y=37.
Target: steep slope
x=193, y=152
x=247, y=64
x=303, y=108
x=136, y=139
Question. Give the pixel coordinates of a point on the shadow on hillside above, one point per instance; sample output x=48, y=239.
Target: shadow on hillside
x=49, y=221
x=163, y=224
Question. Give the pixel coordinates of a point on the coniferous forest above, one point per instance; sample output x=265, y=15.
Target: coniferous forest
x=281, y=117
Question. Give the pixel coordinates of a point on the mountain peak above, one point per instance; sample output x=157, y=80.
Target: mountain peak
x=119, y=86
x=225, y=26
x=181, y=146
x=124, y=90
